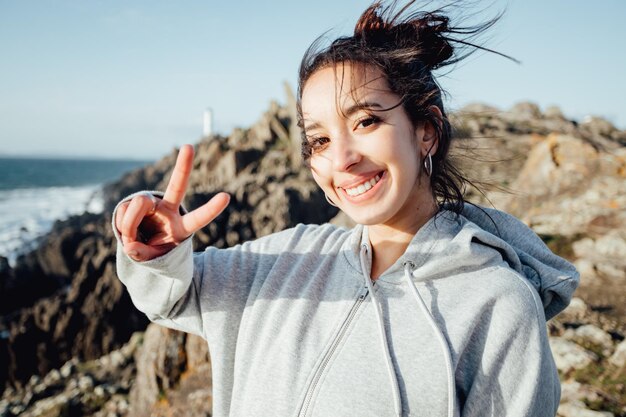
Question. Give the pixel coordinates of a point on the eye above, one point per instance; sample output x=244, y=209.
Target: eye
x=368, y=121
x=316, y=144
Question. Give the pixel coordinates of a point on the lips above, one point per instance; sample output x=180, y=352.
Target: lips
x=364, y=186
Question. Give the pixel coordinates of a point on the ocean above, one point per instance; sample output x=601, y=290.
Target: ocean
x=35, y=192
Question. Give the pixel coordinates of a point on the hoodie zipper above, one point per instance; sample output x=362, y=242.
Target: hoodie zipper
x=329, y=354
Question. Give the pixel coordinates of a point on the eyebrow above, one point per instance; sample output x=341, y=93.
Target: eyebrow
x=348, y=112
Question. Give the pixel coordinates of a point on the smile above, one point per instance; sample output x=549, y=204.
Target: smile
x=363, y=187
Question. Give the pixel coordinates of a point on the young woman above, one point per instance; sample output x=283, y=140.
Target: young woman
x=429, y=307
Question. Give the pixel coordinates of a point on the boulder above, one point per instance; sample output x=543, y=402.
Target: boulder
x=575, y=311
x=159, y=366
x=554, y=112
x=590, y=335
x=576, y=395
x=569, y=356
x=569, y=187
x=611, y=247
x=580, y=410
x=173, y=377
x=525, y=111
x=598, y=126
x=619, y=356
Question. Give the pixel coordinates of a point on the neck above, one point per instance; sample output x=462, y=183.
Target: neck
x=390, y=241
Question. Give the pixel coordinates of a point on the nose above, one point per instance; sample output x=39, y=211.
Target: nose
x=344, y=153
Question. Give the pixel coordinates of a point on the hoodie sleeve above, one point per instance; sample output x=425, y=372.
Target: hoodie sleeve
x=507, y=369
x=164, y=288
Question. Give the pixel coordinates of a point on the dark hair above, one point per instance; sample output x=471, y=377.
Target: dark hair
x=406, y=47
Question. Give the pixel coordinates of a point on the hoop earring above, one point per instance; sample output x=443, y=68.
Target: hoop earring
x=428, y=164
x=330, y=201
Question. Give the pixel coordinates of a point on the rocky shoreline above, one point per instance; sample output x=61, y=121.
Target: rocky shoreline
x=75, y=345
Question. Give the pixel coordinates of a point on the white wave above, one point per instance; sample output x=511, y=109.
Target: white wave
x=27, y=214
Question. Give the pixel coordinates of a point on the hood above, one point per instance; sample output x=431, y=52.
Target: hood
x=449, y=242
x=551, y=276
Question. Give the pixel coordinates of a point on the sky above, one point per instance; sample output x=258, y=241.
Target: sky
x=113, y=79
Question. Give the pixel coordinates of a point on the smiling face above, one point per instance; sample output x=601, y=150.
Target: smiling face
x=365, y=158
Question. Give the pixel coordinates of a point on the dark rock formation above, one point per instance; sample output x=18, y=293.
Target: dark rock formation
x=85, y=319
x=174, y=377
x=94, y=388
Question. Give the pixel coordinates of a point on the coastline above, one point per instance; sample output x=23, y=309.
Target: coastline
x=37, y=192
x=25, y=224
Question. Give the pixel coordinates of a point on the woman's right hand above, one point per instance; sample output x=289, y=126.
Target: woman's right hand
x=152, y=228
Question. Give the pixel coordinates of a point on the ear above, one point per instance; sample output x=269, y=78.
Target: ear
x=430, y=139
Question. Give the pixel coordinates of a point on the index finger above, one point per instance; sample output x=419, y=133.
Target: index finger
x=177, y=186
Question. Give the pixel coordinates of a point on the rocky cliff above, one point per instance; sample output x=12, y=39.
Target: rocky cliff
x=66, y=324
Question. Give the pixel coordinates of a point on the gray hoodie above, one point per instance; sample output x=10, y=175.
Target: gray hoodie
x=295, y=326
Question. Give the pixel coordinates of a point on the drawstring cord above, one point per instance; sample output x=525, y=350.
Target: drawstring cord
x=408, y=266
x=383, y=336
x=442, y=341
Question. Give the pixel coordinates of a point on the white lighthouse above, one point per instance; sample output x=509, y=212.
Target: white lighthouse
x=208, y=123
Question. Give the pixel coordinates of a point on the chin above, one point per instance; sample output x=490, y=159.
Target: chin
x=366, y=219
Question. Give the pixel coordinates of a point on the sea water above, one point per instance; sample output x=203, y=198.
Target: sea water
x=35, y=192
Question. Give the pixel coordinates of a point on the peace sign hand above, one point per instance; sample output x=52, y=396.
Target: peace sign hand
x=151, y=227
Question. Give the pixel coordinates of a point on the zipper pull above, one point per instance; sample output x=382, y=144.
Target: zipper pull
x=364, y=294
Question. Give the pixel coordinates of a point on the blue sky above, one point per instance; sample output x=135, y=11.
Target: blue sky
x=131, y=79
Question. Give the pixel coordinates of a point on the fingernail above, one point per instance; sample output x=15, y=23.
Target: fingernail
x=133, y=254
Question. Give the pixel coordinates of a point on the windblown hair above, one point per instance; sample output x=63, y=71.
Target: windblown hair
x=406, y=46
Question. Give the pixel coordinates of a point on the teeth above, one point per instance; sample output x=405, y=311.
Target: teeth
x=361, y=188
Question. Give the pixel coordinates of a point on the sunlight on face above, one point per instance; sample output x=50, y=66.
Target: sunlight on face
x=365, y=151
